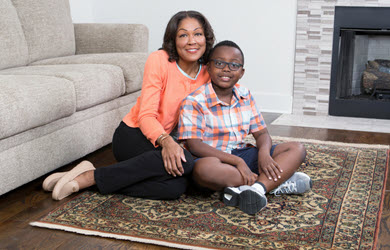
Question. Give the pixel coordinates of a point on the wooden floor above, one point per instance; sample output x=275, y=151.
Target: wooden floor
x=30, y=202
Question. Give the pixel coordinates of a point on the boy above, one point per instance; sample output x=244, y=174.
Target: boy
x=216, y=118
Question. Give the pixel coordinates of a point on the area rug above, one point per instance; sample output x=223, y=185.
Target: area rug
x=341, y=212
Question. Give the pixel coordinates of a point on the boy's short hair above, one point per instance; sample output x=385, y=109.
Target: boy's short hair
x=229, y=44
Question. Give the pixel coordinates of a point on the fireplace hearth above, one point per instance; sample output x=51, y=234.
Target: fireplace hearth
x=360, y=69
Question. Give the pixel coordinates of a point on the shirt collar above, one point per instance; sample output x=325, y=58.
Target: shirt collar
x=213, y=98
x=186, y=75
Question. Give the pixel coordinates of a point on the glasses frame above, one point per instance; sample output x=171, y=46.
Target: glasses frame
x=230, y=65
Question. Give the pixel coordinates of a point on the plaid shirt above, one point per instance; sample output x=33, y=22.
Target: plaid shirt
x=222, y=126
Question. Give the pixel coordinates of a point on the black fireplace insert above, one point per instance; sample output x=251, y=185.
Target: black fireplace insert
x=360, y=70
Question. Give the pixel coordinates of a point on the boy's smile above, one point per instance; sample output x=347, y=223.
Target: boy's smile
x=224, y=79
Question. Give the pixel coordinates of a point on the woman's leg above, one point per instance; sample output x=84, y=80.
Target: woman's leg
x=140, y=168
x=140, y=171
x=129, y=142
x=163, y=189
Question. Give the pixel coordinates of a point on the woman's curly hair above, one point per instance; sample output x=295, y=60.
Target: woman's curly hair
x=169, y=44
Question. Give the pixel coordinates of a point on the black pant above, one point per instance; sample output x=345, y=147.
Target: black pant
x=140, y=169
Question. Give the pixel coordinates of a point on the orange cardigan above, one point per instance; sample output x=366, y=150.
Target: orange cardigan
x=163, y=89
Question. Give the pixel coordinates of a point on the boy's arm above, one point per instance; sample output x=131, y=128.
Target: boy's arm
x=267, y=164
x=200, y=149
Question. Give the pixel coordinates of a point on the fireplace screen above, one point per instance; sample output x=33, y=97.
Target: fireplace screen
x=364, y=71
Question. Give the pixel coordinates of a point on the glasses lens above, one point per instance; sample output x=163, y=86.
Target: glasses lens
x=219, y=64
x=234, y=66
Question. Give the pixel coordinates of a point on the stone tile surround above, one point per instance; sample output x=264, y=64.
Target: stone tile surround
x=313, y=52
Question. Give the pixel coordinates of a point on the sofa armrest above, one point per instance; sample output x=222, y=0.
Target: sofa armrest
x=110, y=38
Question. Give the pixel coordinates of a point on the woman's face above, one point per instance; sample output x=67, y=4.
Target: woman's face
x=190, y=40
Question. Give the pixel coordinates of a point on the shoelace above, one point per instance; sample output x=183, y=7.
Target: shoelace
x=286, y=188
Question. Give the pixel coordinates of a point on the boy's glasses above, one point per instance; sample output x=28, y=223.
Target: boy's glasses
x=221, y=64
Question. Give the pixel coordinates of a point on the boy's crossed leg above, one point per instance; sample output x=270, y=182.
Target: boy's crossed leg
x=211, y=173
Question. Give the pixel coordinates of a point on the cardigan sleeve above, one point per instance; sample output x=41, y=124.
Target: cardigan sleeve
x=155, y=74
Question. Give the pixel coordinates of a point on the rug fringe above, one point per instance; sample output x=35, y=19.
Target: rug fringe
x=358, y=145
x=115, y=236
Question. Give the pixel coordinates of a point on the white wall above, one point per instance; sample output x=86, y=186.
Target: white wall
x=265, y=31
x=82, y=11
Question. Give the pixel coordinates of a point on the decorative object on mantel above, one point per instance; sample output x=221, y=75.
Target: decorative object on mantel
x=342, y=211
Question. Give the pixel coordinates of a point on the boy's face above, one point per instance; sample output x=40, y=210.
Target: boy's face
x=225, y=78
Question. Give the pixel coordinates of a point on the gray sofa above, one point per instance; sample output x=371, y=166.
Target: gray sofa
x=64, y=87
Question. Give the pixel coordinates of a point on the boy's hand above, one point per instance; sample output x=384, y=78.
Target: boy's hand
x=270, y=168
x=172, y=155
x=248, y=176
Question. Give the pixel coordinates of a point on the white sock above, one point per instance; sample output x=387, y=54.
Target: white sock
x=259, y=188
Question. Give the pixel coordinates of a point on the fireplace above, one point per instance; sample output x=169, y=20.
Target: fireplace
x=360, y=69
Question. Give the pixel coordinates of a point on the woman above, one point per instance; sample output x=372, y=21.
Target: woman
x=151, y=164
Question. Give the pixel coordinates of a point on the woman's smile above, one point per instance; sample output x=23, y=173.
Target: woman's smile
x=192, y=51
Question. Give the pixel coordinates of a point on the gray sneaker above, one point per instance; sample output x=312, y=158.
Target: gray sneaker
x=247, y=198
x=230, y=196
x=302, y=176
x=298, y=183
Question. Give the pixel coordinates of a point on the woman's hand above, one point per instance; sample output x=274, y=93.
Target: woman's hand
x=172, y=155
x=269, y=167
x=248, y=176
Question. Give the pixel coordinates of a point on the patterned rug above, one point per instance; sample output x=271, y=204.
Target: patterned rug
x=341, y=212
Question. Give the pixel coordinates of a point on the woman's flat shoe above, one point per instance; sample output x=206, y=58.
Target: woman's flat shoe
x=68, y=189
x=50, y=181
x=66, y=185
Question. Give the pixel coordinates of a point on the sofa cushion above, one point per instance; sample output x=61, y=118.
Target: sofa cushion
x=94, y=38
x=93, y=83
x=13, y=45
x=47, y=26
x=31, y=101
x=132, y=65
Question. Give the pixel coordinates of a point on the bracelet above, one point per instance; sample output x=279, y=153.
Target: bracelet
x=158, y=141
x=158, y=138
x=163, y=138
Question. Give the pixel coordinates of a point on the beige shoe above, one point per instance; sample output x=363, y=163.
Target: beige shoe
x=50, y=181
x=66, y=185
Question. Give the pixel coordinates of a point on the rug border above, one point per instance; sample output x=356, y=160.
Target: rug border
x=335, y=143
x=382, y=202
x=114, y=236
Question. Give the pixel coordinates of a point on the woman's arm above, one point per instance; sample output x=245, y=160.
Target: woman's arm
x=155, y=75
x=152, y=85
